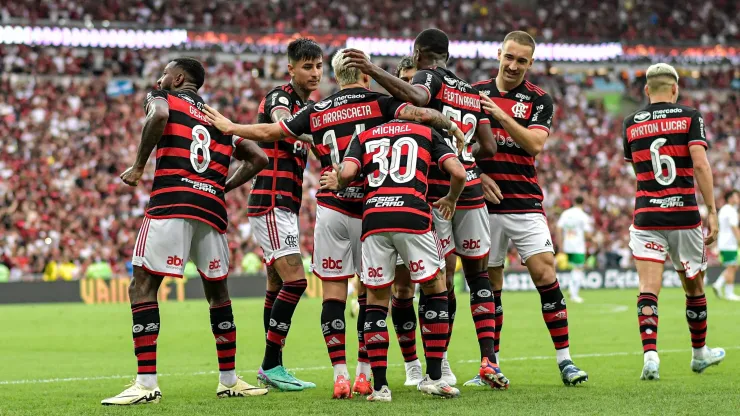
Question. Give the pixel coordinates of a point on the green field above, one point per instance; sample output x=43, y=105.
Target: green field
x=63, y=359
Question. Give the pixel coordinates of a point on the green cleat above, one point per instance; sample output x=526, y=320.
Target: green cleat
x=280, y=379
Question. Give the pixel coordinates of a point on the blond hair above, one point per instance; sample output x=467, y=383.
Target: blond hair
x=343, y=74
x=661, y=77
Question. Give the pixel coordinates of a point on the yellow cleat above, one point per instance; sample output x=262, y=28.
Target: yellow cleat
x=135, y=393
x=240, y=389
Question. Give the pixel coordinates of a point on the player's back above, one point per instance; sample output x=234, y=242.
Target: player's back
x=657, y=140
x=395, y=158
x=575, y=223
x=457, y=99
x=728, y=219
x=192, y=164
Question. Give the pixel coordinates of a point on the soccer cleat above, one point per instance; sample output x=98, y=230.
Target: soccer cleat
x=413, y=373
x=447, y=374
x=571, y=374
x=438, y=388
x=650, y=371
x=240, y=389
x=576, y=299
x=732, y=297
x=491, y=374
x=718, y=288
x=382, y=395
x=342, y=389
x=475, y=382
x=280, y=379
x=362, y=386
x=714, y=356
x=135, y=393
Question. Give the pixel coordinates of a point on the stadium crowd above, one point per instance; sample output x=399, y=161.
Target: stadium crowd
x=571, y=20
x=66, y=141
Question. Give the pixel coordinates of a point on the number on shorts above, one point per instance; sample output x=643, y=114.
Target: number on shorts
x=330, y=140
x=660, y=160
x=201, y=142
x=379, y=150
x=467, y=119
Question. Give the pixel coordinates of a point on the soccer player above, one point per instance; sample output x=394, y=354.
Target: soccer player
x=521, y=116
x=729, y=235
x=186, y=218
x=337, y=255
x=395, y=159
x=435, y=86
x=574, y=227
x=273, y=208
x=666, y=145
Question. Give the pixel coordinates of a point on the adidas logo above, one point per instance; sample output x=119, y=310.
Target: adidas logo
x=377, y=338
x=480, y=309
x=222, y=340
x=548, y=243
x=333, y=341
x=649, y=321
x=404, y=338
x=425, y=330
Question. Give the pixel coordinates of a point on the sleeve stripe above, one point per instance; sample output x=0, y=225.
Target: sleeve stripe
x=628, y=159
x=353, y=160
x=539, y=127
x=400, y=108
x=698, y=143
x=443, y=158
x=484, y=121
x=235, y=140
x=429, y=93
x=286, y=129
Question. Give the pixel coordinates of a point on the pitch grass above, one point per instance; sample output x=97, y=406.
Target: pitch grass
x=91, y=345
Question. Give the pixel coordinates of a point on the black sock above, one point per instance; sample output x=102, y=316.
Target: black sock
x=145, y=332
x=280, y=319
x=361, y=349
x=224, y=330
x=434, y=332
x=332, y=326
x=404, y=321
x=452, y=309
x=376, y=342
x=482, y=308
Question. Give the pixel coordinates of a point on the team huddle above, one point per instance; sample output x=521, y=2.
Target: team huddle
x=438, y=169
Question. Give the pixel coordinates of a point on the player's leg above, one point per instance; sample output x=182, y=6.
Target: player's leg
x=686, y=248
x=404, y=322
x=363, y=374
x=161, y=249
x=449, y=269
x=724, y=286
x=531, y=237
x=273, y=286
x=263, y=231
x=649, y=252
x=576, y=262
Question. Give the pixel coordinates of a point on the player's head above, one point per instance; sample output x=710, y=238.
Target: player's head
x=346, y=75
x=431, y=46
x=406, y=68
x=578, y=200
x=181, y=72
x=732, y=197
x=305, y=63
x=662, y=83
x=516, y=56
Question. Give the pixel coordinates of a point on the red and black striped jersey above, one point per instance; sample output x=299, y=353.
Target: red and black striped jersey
x=395, y=158
x=656, y=141
x=280, y=183
x=459, y=101
x=332, y=123
x=512, y=167
x=192, y=163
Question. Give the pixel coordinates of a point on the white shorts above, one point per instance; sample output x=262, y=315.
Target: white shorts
x=466, y=234
x=337, y=249
x=165, y=245
x=686, y=248
x=420, y=254
x=277, y=233
x=529, y=233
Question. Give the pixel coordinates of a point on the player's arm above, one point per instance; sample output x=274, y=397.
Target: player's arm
x=256, y=132
x=703, y=174
x=485, y=144
x=448, y=162
x=281, y=113
x=253, y=160
x=532, y=138
x=395, y=86
x=157, y=114
x=342, y=174
x=431, y=118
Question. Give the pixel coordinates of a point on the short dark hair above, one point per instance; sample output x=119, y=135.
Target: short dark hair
x=193, y=68
x=579, y=200
x=433, y=41
x=303, y=49
x=407, y=62
x=730, y=193
x=520, y=37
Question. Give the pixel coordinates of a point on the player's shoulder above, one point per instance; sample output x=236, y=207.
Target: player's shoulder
x=155, y=94
x=282, y=94
x=534, y=89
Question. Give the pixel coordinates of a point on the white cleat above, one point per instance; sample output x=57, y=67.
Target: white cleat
x=447, y=374
x=382, y=395
x=439, y=388
x=712, y=356
x=718, y=289
x=650, y=371
x=414, y=375
x=732, y=297
x=135, y=393
x=576, y=299
x=240, y=389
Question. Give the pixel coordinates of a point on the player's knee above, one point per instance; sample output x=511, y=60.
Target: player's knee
x=290, y=268
x=142, y=288
x=695, y=286
x=434, y=285
x=496, y=277
x=542, y=269
x=334, y=290
x=403, y=290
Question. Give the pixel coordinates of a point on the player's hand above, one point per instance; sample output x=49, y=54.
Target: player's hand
x=132, y=175
x=329, y=179
x=712, y=229
x=306, y=138
x=459, y=139
x=446, y=207
x=491, y=191
x=218, y=120
x=490, y=107
x=357, y=59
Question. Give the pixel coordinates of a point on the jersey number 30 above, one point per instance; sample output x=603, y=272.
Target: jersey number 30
x=392, y=165
x=200, y=154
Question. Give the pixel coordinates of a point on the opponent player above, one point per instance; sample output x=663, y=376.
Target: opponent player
x=521, y=116
x=729, y=235
x=434, y=86
x=337, y=255
x=574, y=228
x=395, y=159
x=666, y=144
x=273, y=208
x=186, y=218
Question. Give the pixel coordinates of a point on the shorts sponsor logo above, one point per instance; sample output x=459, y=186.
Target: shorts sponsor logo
x=337, y=324
x=331, y=264
x=654, y=246
x=291, y=241
x=416, y=266
x=642, y=116
x=445, y=242
x=174, y=261
x=471, y=244
x=375, y=272
x=225, y=325
x=137, y=328
x=215, y=264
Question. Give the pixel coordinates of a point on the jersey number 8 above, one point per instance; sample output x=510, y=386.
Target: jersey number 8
x=201, y=143
x=379, y=150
